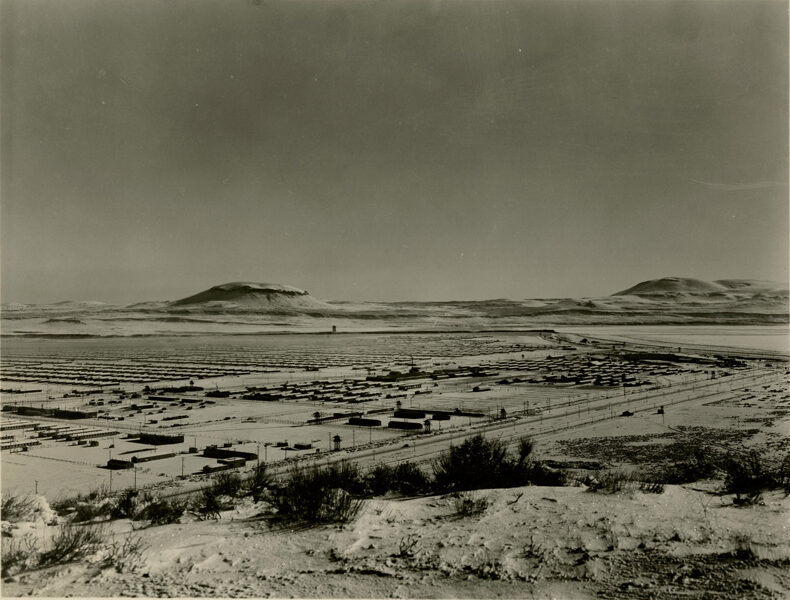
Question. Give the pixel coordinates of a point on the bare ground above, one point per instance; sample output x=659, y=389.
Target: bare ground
x=530, y=542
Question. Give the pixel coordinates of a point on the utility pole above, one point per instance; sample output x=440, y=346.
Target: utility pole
x=182, y=467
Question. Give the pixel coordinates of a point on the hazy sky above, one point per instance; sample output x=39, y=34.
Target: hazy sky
x=390, y=150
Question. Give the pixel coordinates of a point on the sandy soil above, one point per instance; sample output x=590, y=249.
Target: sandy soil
x=530, y=543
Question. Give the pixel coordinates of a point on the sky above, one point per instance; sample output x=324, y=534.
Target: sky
x=402, y=150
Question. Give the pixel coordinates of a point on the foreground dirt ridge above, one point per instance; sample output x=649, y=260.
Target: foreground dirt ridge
x=528, y=542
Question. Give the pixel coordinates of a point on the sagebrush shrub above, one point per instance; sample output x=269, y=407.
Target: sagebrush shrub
x=126, y=505
x=481, y=463
x=467, y=505
x=539, y=474
x=208, y=504
x=71, y=543
x=18, y=553
x=381, y=480
x=163, y=512
x=317, y=495
x=88, y=511
x=525, y=448
x=783, y=474
x=611, y=482
x=258, y=482
x=700, y=463
x=408, y=545
x=651, y=487
x=125, y=556
x=344, y=475
x=476, y=463
x=411, y=479
x=15, y=508
x=227, y=484
x=406, y=478
x=747, y=475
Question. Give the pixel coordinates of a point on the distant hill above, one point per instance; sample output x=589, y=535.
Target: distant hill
x=81, y=303
x=249, y=307
x=754, y=286
x=734, y=289
x=249, y=296
x=673, y=285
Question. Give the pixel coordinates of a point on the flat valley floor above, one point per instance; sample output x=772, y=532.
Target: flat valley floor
x=595, y=401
